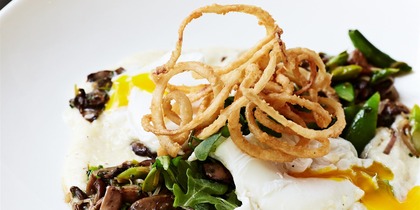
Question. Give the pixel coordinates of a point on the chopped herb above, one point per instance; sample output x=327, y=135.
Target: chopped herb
x=92, y=169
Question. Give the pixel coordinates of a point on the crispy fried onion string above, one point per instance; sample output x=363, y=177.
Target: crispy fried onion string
x=268, y=80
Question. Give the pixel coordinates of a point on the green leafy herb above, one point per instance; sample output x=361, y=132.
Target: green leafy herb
x=228, y=101
x=193, y=141
x=201, y=191
x=186, y=180
x=268, y=130
x=225, y=131
x=208, y=145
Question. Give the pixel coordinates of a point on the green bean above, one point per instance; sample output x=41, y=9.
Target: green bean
x=363, y=126
x=337, y=60
x=415, y=127
x=133, y=173
x=382, y=74
x=346, y=72
x=373, y=54
x=151, y=182
x=350, y=112
x=404, y=67
x=345, y=91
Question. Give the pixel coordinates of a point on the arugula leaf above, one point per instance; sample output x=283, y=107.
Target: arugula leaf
x=225, y=131
x=193, y=141
x=186, y=180
x=204, y=206
x=163, y=161
x=169, y=171
x=233, y=198
x=201, y=191
x=208, y=145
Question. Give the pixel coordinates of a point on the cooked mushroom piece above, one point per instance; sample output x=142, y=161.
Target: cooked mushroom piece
x=112, y=199
x=91, y=104
x=80, y=206
x=97, y=205
x=112, y=172
x=131, y=193
x=147, y=162
x=388, y=111
x=96, y=99
x=109, y=173
x=100, y=75
x=100, y=188
x=90, y=188
x=103, y=79
x=356, y=57
x=78, y=193
x=216, y=171
x=156, y=202
x=363, y=89
x=141, y=150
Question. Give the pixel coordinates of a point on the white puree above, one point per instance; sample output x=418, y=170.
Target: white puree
x=106, y=141
x=103, y=142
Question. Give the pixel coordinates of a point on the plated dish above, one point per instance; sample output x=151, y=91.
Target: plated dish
x=270, y=113
x=41, y=40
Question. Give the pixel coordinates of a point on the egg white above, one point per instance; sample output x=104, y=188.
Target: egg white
x=264, y=185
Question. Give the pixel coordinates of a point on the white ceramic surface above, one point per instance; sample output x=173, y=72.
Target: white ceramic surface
x=46, y=46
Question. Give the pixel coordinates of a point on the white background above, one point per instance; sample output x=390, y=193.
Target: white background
x=49, y=45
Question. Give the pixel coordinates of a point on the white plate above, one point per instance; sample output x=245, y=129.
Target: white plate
x=49, y=45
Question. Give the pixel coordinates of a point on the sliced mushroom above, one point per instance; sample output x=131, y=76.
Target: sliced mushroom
x=103, y=79
x=387, y=89
x=100, y=188
x=131, y=193
x=391, y=142
x=100, y=75
x=402, y=131
x=78, y=193
x=156, y=202
x=91, y=105
x=97, y=205
x=141, y=150
x=112, y=199
x=90, y=188
x=111, y=172
x=388, y=111
x=148, y=162
x=216, y=171
x=363, y=89
x=356, y=57
x=80, y=206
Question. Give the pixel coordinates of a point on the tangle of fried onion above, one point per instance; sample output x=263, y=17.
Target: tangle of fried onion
x=267, y=79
